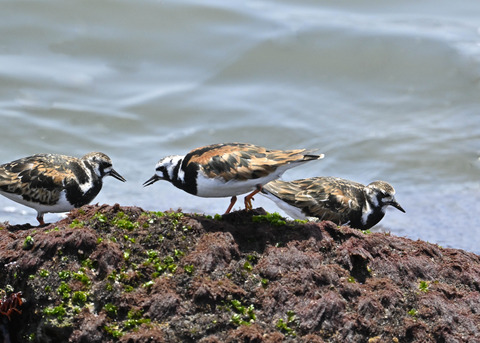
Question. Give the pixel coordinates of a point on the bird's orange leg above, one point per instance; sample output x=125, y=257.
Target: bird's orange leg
x=249, y=198
x=232, y=202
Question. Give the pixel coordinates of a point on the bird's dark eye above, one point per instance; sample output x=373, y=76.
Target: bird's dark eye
x=161, y=169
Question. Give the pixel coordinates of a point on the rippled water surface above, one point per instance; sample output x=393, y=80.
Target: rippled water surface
x=388, y=91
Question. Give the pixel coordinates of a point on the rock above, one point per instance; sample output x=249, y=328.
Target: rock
x=120, y=274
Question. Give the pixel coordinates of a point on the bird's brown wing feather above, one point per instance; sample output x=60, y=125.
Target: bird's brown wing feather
x=242, y=161
x=39, y=177
x=322, y=197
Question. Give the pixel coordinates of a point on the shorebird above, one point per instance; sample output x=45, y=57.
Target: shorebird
x=227, y=170
x=55, y=183
x=335, y=199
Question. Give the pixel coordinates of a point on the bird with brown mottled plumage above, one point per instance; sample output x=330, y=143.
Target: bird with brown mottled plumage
x=228, y=169
x=55, y=183
x=335, y=199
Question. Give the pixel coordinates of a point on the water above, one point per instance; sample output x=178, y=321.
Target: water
x=387, y=91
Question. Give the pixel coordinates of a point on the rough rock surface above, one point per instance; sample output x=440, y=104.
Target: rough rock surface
x=120, y=274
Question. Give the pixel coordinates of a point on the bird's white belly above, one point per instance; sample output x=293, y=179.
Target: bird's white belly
x=292, y=211
x=218, y=188
x=61, y=206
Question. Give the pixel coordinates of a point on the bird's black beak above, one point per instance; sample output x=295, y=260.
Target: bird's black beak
x=395, y=204
x=152, y=180
x=116, y=175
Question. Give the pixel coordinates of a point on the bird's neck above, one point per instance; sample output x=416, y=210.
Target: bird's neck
x=372, y=213
x=184, y=176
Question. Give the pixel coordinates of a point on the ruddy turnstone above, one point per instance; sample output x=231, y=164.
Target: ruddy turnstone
x=230, y=169
x=331, y=198
x=55, y=183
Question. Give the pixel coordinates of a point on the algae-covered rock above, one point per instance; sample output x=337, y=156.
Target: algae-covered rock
x=122, y=274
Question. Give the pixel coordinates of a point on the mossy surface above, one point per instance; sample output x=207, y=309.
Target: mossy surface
x=111, y=273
